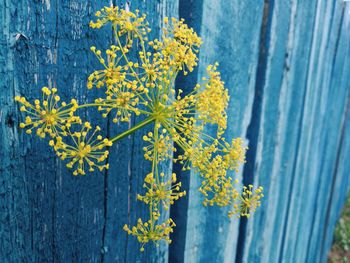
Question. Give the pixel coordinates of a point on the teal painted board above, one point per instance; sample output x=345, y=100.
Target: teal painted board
x=258, y=241
x=307, y=175
x=309, y=159
x=334, y=130
x=14, y=214
x=49, y=215
x=233, y=41
x=47, y=38
x=340, y=184
x=294, y=81
x=192, y=12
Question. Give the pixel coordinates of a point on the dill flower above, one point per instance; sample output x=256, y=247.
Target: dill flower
x=235, y=154
x=123, y=92
x=162, y=146
x=49, y=116
x=113, y=72
x=188, y=114
x=247, y=202
x=143, y=84
x=126, y=21
x=220, y=192
x=180, y=44
x=213, y=99
x=161, y=192
x=146, y=231
x=87, y=149
x=123, y=102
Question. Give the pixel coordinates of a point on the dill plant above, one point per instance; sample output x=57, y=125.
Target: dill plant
x=145, y=86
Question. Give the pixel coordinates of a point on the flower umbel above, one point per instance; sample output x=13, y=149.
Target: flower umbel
x=147, y=231
x=87, y=149
x=49, y=116
x=248, y=201
x=162, y=192
x=137, y=78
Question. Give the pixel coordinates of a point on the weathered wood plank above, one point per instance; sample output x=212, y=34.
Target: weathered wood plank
x=273, y=65
x=232, y=40
x=306, y=173
x=334, y=123
x=14, y=209
x=304, y=55
x=64, y=221
x=192, y=12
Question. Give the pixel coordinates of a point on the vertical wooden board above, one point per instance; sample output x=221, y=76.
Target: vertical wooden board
x=341, y=184
x=292, y=117
x=191, y=12
x=274, y=35
x=15, y=244
x=319, y=147
x=37, y=185
x=50, y=48
x=340, y=187
x=261, y=239
x=294, y=183
x=332, y=136
x=156, y=12
x=293, y=94
x=293, y=106
x=277, y=147
x=79, y=200
x=128, y=169
x=233, y=42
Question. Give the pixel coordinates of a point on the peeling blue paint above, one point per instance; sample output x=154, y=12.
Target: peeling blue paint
x=286, y=64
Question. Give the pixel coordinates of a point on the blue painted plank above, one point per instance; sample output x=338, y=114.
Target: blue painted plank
x=264, y=231
x=62, y=221
x=233, y=41
x=192, y=12
x=258, y=241
x=333, y=136
x=14, y=209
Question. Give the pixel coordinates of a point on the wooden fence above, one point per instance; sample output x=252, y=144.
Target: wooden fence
x=287, y=66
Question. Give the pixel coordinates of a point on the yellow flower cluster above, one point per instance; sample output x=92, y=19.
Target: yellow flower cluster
x=147, y=231
x=56, y=119
x=123, y=94
x=213, y=100
x=234, y=154
x=162, y=146
x=143, y=84
x=112, y=74
x=86, y=149
x=248, y=201
x=127, y=22
x=179, y=45
x=161, y=192
x=49, y=116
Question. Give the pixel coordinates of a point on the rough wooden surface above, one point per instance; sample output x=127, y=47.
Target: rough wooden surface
x=286, y=64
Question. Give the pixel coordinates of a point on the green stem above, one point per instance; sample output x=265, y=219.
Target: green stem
x=133, y=129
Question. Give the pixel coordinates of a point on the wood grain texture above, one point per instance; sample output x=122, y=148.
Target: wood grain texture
x=211, y=236
x=286, y=64
x=49, y=215
x=57, y=214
